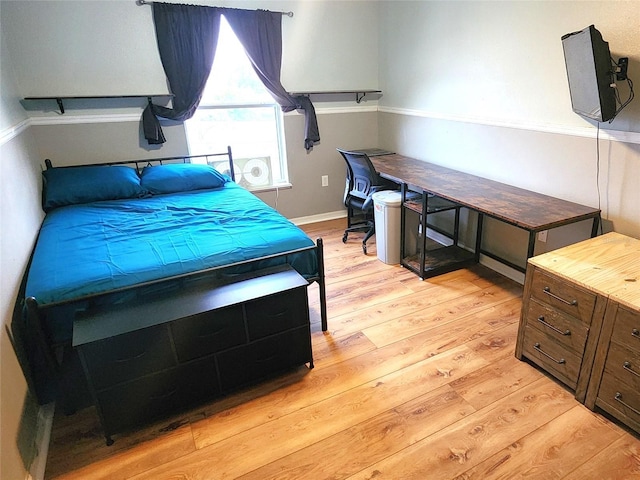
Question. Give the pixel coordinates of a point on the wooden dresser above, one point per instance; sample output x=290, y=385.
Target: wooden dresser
x=580, y=321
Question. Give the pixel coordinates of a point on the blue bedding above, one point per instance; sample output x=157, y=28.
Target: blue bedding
x=103, y=246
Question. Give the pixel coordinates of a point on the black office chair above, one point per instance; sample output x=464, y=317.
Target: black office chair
x=361, y=183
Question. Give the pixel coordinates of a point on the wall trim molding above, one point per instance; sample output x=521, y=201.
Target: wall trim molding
x=67, y=119
x=12, y=132
x=588, y=132
x=338, y=110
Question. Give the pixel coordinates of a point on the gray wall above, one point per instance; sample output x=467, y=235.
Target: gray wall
x=20, y=217
x=101, y=142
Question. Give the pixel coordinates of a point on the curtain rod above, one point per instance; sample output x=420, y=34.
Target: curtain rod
x=147, y=2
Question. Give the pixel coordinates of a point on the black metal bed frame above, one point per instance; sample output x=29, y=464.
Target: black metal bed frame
x=27, y=331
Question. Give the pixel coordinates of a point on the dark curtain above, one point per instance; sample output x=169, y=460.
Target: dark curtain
x=187, y=36
x=260, y=33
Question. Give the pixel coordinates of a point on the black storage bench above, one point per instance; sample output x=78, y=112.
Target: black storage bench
x=154, y=357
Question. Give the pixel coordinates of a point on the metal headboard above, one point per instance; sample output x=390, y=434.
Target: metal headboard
x=141, y=163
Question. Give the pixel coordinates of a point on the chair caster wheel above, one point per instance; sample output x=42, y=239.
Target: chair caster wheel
x=344, y=238
x=364, y=248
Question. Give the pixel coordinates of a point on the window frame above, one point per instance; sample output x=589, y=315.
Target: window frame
x=280, y=163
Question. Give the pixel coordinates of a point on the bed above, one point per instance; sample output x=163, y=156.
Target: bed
x=117, y=233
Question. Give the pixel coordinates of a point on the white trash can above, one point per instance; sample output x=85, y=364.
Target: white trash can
x=386, y=207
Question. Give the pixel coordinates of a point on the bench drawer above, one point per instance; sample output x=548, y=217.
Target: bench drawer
x=128, y=356
x=208, y=332
x=261, y=359
x=277, y=313
x=158, y=394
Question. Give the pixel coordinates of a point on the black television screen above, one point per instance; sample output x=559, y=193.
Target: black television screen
x=590, y=73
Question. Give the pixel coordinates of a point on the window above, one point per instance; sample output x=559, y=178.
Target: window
x=237, y=110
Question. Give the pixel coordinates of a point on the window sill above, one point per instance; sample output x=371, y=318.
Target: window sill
x=271, y=188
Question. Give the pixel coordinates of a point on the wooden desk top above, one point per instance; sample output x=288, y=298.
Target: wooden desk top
x=523, y=208
x=608, y=265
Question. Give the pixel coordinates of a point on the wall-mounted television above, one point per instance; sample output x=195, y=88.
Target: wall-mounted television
x=590, y=71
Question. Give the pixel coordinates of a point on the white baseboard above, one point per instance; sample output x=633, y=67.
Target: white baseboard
x=488, y=262
x=42, y=439
x=322, y=217
x=502, y=269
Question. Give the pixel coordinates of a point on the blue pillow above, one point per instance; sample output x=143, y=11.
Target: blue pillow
x=73, y=185
x=180, y=177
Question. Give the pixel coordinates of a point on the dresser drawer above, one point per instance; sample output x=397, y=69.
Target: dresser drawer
x=242, y=365
x=624, y=364
x=277, y=313
x=158, y=394
x=569, y=331
x=620, y=399
x=128, y=356
x=560, y=295
x=626, y=330
x=552, y=356
x=208, y=332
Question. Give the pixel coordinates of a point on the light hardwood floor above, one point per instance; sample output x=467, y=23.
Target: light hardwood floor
x=414, y=380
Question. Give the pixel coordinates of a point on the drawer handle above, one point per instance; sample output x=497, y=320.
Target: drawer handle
x=627, y=367
x=162, y=396
x=635, y=332
x=266, y=359
x=547, y=290
x=214, y=333
x=129, y=359
x=537, y=347
x=555, y=329
x=618, y=398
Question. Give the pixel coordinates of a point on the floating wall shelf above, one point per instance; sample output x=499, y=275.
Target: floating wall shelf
x=60, y=99
x=360, y=94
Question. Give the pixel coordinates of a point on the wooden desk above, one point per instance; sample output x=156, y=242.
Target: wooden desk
x=533, y=212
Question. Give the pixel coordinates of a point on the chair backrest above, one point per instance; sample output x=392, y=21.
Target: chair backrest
x=362, y=178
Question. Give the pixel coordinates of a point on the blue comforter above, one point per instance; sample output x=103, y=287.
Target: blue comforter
x=103, y=246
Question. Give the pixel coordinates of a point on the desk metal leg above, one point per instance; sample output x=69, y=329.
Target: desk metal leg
x=403, y=220
x=594, y=227
x=423, y=229
x=322, y=287
x=456, y=226
x=532, y=244
x=479, y=236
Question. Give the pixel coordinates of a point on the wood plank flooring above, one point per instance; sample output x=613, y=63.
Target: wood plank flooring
x=414, y=380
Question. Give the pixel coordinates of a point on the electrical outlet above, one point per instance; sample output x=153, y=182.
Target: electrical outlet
x=325, y=180
x=542, y=236
x=621, y=70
